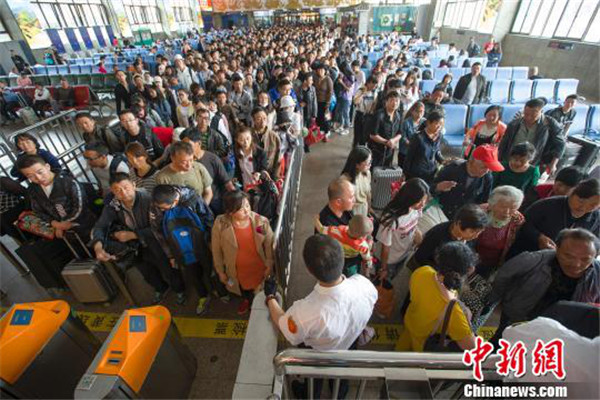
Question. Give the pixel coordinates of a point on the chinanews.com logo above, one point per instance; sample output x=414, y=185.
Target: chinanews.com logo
x=546, y=358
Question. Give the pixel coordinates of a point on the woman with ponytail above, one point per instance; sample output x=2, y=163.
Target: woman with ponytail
x=398, y=233
x=431, y=291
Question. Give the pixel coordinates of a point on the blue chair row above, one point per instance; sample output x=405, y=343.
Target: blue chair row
x=74, y=69
x=489, y=73
x=521, y=90
x=460, y=117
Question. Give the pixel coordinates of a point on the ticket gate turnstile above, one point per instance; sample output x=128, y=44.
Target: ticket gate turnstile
x=143, y=357
x=44, y=351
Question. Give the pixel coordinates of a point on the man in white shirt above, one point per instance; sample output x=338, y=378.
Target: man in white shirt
x=335, y=313
x=104, y=165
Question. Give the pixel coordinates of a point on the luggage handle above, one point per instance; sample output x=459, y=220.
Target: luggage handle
x=385, y=151
x=81, y=244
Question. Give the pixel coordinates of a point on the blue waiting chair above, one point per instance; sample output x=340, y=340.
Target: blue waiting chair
x=75, y=69
x=544, y=88
x=86, y=69
x=509, y=111
x=428, y=85
x=499, y=92
x=594, y=119
x=564, y=88
x=521, y=90
x=489, y=73
x=520, y=73
x=40, y=70
x=458, y=72
x=476, y=113
x=52, y=69
x=504, y=73
x=438, y=73
x=455, y=124
x=580, y=123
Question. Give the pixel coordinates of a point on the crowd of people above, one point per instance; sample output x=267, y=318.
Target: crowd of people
x=201, y=139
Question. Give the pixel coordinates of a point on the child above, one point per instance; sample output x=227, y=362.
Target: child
x=183, y=225
x=519, y=172
x=355, y=240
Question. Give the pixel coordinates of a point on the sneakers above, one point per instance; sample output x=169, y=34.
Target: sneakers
x=159, y=296
x=244, y=307
x=202, y=305
x=343, y=132
x=181, y=298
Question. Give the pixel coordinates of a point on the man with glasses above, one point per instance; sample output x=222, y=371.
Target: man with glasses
x=134, y=131
x=538, y=129
x=103, y=165
x=211, y=139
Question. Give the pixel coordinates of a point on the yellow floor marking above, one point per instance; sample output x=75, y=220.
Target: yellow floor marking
x=193, y=327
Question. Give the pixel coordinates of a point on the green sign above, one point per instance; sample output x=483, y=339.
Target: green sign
x=394, y=18
x=143, y=36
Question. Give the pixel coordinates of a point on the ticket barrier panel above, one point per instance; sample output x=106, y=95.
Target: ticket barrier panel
x=143, y=357
x=44, y=351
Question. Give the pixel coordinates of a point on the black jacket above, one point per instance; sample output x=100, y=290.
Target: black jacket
x=310, y=109
x=106, y=136
x=150, y=141
x=259, y=162
x=114, y=213
x=422, y=157
x=478, y=191
x=67, y=202
x=463, y=83
x=549, y=216
x=122, y=96
x=548, y=142
x=217, y=143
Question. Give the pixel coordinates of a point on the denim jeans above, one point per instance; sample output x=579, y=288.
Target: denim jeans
x=342, y=112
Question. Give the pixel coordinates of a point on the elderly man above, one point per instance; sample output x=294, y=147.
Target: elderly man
x=546, y=218
x=184, y=171
x=471, y=88
x=333, y=315
x=528, y=284
x=338, y=210
x=538, y=129
x=464, y=182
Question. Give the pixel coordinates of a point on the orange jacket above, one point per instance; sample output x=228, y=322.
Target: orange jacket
x=472, y=134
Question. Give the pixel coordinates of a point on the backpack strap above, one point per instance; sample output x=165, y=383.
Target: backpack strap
x=446, y=320
x=118, y=158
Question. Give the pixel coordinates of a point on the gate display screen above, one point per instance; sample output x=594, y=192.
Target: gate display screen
x=21, y=317
x=137, y=323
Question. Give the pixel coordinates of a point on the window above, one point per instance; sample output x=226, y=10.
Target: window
x=565, y=19
x=4, y=36
x=70, y=14
x=477, y=15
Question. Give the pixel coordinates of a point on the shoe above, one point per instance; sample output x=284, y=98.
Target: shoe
x=244, y=307
x=344, y=132
x=181, y=298
x=159, y=296
x=225, y=299
x=366, y=335
x=202, y=306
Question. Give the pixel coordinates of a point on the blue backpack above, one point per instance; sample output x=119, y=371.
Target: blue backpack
x=183, y=228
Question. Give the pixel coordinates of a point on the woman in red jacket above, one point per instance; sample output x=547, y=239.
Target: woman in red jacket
x=486, y=131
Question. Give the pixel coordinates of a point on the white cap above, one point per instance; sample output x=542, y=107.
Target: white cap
x=287, y=101
x=178, y=57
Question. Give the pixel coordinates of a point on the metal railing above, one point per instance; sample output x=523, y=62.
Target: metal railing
x=400, y=374
x=286, y=219
x=61, y=137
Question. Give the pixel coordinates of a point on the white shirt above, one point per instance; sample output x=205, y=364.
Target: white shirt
x=471, y=91
x=400, y=235
x=103, y=174
x=330, y=318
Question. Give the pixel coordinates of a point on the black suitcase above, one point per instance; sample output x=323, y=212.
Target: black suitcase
x=46, y=259
x=581, y=152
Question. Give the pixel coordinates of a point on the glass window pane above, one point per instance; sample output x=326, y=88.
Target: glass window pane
x=467, y=15
x=567, y=19
x=541, y=19
x=449, y=13
x=530, y=17
x=583, y=18
x=559, y=6
x=89, y=15
x=593, y=34
x=521, y=16
x=66, y=12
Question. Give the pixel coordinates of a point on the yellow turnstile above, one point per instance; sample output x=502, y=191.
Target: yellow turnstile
x=44, y=351
x=143, y=357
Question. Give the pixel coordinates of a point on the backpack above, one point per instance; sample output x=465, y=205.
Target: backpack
x=118, y=158
x=182, y=227
x=264, y=199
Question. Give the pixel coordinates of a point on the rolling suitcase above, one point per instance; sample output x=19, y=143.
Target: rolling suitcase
x=87, y=278
x=588, y=153
x=381, y=186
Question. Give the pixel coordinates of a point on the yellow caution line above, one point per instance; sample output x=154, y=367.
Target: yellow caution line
x=385, y=334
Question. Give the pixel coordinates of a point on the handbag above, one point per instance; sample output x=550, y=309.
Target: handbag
x=439, y=342
x=314, y=134
x=29, y=222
